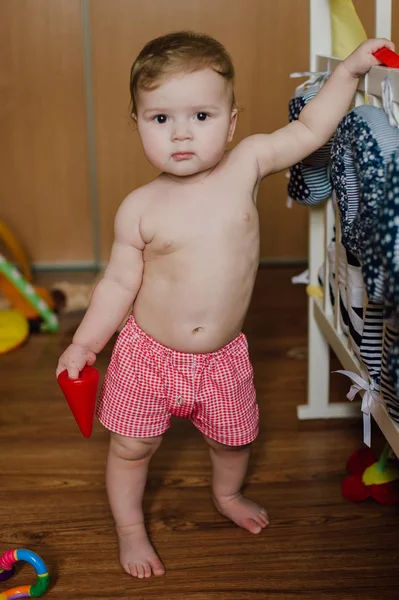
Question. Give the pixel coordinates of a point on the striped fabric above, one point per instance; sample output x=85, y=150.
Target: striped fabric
x=342, y=290
x=372, y=335
x=355, y=291
x=331, y=272
x=342, y=287
x=391, y=339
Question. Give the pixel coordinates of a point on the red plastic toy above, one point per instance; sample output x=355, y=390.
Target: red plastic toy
x=388, y=57
x=81, y=396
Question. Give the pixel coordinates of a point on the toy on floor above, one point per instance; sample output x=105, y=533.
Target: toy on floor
x=50, y=320
x=13, y=250
x=13, y=296
x=371, y=478
x=81, y=396
x=7, y=561
x=14, y=330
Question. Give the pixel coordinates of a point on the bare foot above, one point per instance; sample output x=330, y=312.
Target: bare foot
x=243, y=512
x=137, y=555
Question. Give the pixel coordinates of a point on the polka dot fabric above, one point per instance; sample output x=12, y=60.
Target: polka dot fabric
x=363, y=144
x=146, y=383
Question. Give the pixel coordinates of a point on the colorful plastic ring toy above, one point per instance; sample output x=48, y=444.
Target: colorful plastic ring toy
x=4, y=575
x=7, y=561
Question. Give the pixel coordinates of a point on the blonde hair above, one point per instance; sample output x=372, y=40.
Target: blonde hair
x=182, y=51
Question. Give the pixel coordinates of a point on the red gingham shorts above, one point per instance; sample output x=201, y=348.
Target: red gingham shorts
x=146, y=383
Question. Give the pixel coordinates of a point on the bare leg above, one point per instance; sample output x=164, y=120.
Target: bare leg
x=230, y=465
x=127, y=468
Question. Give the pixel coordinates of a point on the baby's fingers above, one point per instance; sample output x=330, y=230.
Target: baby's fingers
x=91, y=359
x=73, y=371
x=383, y=43
x=60, y=369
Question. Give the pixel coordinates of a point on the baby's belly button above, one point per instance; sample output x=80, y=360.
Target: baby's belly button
x=198, y=330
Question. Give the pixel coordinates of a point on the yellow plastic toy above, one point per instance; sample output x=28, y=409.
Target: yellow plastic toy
x=14, y=330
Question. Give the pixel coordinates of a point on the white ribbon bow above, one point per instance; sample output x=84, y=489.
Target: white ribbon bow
x=370, y=396
x=314, y=77
x=387, y=101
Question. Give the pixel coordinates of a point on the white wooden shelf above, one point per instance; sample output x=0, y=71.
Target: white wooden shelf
x=324, y=320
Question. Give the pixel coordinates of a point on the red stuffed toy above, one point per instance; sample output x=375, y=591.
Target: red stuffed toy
x=371, y=478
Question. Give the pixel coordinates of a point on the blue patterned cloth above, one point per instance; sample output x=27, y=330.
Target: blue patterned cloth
x=362, y=146
x=386, y=239
x=310, y=181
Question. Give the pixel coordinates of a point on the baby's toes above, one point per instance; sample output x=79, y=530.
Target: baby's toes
x=252, y=526
x=140, y=571
x=158, y=568
x=132, y=570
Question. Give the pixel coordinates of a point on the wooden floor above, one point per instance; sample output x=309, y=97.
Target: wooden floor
x=318, y=546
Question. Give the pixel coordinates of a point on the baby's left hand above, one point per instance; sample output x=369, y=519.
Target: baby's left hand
x=361, y=60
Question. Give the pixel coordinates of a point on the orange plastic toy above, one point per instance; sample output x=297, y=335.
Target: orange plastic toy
x=81, y=396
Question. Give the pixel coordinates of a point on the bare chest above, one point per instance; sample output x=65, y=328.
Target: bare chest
x=200, y=221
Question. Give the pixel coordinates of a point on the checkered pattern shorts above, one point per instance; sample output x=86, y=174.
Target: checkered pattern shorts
x=146, y=383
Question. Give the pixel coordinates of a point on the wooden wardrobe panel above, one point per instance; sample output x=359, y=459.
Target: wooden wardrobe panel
x=44, y=182
x=267, y=40
x=284, y=232
x=366, y=12
x=395, y=25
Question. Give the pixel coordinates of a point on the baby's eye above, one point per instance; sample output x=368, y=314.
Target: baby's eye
x=160, y=119
x=202, y=116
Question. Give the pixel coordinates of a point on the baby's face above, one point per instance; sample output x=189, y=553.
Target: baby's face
x=186, y=122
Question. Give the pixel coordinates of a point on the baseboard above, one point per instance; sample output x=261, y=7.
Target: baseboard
x=59, y=266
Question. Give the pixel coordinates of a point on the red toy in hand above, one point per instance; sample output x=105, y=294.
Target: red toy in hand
x=81, y=396
x=388, y=57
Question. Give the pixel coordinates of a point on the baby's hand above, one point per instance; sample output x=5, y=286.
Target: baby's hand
x=361, y=60
x=74, y=359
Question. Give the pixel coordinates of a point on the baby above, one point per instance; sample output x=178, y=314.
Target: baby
x=185, y=254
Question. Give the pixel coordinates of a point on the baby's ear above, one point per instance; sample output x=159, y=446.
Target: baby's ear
x=233, y=123
x=134, y=116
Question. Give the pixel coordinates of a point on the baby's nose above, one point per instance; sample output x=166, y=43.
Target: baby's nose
x=182, y=132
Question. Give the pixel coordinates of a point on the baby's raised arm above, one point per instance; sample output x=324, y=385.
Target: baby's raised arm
x=113, y=295
x=319, y=119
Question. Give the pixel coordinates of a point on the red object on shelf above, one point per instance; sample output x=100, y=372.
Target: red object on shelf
x=81, y=396
x=388, y=57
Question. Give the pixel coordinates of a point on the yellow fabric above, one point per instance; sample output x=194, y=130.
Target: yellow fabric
x=373, y=476
x=14, y=329
x=347, y=31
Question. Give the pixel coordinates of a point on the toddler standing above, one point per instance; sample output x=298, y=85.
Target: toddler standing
x=185, y=254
